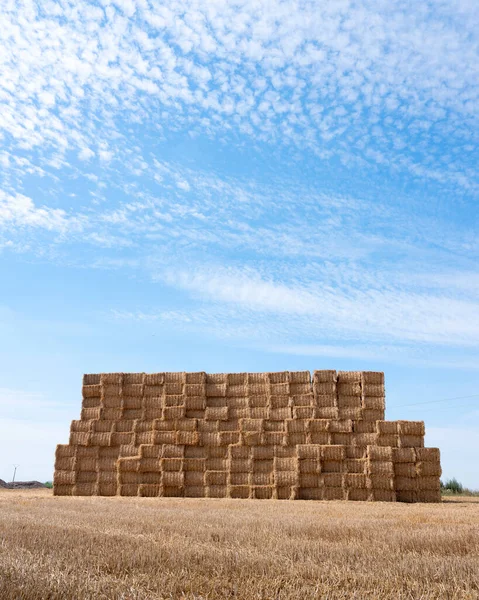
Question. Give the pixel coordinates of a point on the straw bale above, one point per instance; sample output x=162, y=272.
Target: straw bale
x=251, y=438
x=357, y=494
x=332, y=466
x=285, y=478
x=279, y=401
x=356, y=451
x=171, y=464
x=355, y=480
x=124, y=426
x=278, y=426
x=342, y=439
x=372, y=377
x=107, y=489
x=195, y=403
x=63, y=490
x=406, y=495
x=325, y=400
x=373, y=389
x=251, y=424
x=111, y=389
x=195, y=491
x=173, y=491
x=388, y=440
x=324, y=376
x=216, y=378
x=85, y=476
x=360, y=426
x=349, y=401
x=428, y=483
x=411, y=428
x=107, y=476
x=198, y=377
x=91, y=391
x=387, y=427
x=101, y=439
x=334, y=480
x=411, y=441
x=428, y=496
x=174, y=412
x=238, y=402
x=85, y=489
x=285, y=464
x=171, y=389
x=132, y=402
x=91, y=379
x=300, y=389
x=186, y=424
x=151, y=477
x=302, y=400
x=150, y=465
x=364, y=439
x=127, y=438
x=280, y=414
x=150, y=451
x=262, y=492
x=135, y=378
x=190, y=438
x=239, y=491
x=65, y=463
x=215, y=477
x=83, y=426
x=127, y=451
x=404, y=455
x=148, y=379
x=240, y=465
x=404, y=469
x=91, y=402
x=303, y=412
x=239, y=478
x=374, y=402
x=309, y=480
x=263, y=465
x=195, y=464
x=376, y=453
x=381, y=467
x=64, y=477
x=326, y=412
x=173, y=400
x=309, y=451
x=236, y=391
x=78, y=438
x=349, y=377
x=145, y=437
x=194, y=478
x=173, y=478
x=371, y=414
x=279, y=377
x=213, y=413
x=128, y=489
x=260, y=478
x=196, y=452
x=90, y=414
x=263, y=452
x=234, y=414
x=318, y=425
x=337, y=426
x=279, y=389
x=274, y=438
x=107, y=469
x=237, y=379
x=136, y=389
x=115, y=414
x=297, y=438
x=259, y=391
x=239, y=452
x=87, y=452
x=355, y=465
x=349, y=389
x=178, y=377
x=300, y=377
x=381, y=482
x=216, y=464
x=379, y=495
x=285, y=451
x=428, y=454
x=164, y=437
x=86, y=463
x=194, y=414
x=217, y=452
x=333, y=453
x=111, y=378
x=130, y=464
x=147, y=490
x=311, y=493
x=352, y=414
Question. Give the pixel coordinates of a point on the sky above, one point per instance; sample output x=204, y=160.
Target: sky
x=239, y=186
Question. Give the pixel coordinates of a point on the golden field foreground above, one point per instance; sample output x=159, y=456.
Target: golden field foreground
x=139, y=548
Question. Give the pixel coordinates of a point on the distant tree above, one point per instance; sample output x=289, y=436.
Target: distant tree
x=453, y=486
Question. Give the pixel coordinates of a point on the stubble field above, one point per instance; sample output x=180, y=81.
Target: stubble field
x=143, y=548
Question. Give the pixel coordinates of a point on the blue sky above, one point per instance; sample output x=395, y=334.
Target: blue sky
x=239, y=186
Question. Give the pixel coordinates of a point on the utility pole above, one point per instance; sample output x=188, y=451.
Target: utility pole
x=15, y=467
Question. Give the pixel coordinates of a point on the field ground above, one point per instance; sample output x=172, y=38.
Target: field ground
x=131, y=548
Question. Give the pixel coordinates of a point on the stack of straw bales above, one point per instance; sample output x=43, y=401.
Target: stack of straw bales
x=244, y=435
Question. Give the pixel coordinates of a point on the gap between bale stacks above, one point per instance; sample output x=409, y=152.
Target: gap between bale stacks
x=285, y=435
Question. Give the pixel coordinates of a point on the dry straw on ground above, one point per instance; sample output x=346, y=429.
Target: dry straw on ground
x=141, y=548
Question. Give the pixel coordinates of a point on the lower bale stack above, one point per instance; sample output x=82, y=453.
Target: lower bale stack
x=245, y=435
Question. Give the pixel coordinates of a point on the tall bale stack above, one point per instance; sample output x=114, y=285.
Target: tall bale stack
x=282, y=435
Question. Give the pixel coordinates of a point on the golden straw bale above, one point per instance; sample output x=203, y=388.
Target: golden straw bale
x=107, y=476
x=262, y=465
x=337, y=426
x=192, y=491
x=406, y=495
x=325, y=400
x=262, y=492
x=217, y=464
x=348, y=389
x=356, y=451
x=124, y=426
x=304, y=412
x=373, y=403
x=311, y=493
x=349, y=377
x=404, y=455
x=274, y=438
x=234, y=414
x=85, y=477
x=309, y=465
x=128, y=489
x=351, y=413
x=173, y=389
x=173, y=491
x=239, y=478
x=415, y=428
x=85, y=489
x=101, y=439
x=309, y=480
x=403, y=469
x=411, y=441
x=260, y=478
x=198, y=377
x=91, y=379
x=381, y=482
x=216, y=413
x=380, y=495
x=111, y=378
x=127, y=451
x=132, y=402
x=237, y=391
x=174, y=412
x=279, y=389
x=324, y=376
x=387, y=440
x=372, y=377
x=135, y=378
x=373, y=389
x=326, y=412
x=332, y=479
x=285, y=478
x=300, y=389
x=149, y=464
x=239, y=491
x=381, y=467
x=357, y=494
x=147, y=490
x=355, y=465
x=355, y=480
x=79, y=438
x=349, y=401
x=237, y=379
x=239, y=452
x=107, y=489
x=249, y=438
x=327, y=389
x=134, y=389
x=263, y=452
x=292, y=439
x=152, y=379
x=83, y=426
x=428, y=483
x=194, y=478
x=173, y=478
x=428, y=496
x=116, y=414
x=341, y=439
x=364, y=439
x=360, y=426
x=302, y=401
x=64, y=477
x=279, y=401
x=91, y=391
x=215, y=477
x=178, y=377
x=333, y=453
x=91, y=402
x=309, y=451
x=278, y=426
x=240, y=465
x=300, y=377
x=216, y=378
x=90, y=414
x=371, y=414
x=285, y=464
x=428, y=454
x=387, y=427
x=280, y=414
x=65, y=463
x=332, y=466
x=195, y=464
x=406, y=483
x=285, y=452
x=251, y=424
x=380, y=453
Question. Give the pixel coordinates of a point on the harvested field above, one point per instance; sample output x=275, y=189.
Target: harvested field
x=139, y=548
